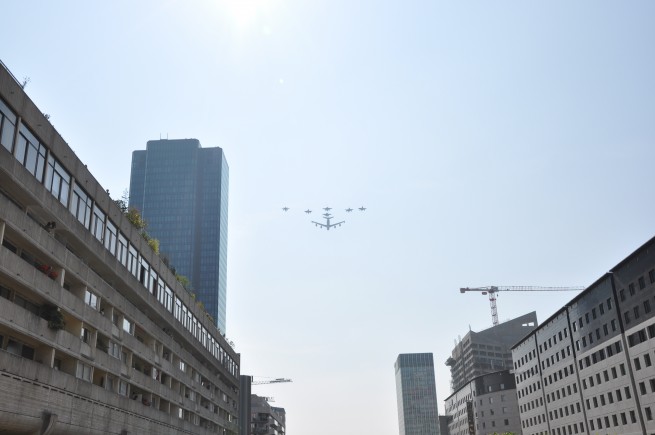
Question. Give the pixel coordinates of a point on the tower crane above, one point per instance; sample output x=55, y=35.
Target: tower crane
x=492, y=290
x=268, y=381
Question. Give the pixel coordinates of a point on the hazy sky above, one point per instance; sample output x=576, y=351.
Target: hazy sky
x=494, y=143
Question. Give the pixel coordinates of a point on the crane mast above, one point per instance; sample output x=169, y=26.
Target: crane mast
x=492, y=290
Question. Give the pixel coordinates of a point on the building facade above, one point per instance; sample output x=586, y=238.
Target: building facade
x=416, y=394
x=486, y=405
x=96, y=334
x=181, y=190
x=266, y=419
x=589, y=368
x=487, y=351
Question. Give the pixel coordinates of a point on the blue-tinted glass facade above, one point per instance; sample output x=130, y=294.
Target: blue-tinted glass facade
x=181, y=190
x=417, y=394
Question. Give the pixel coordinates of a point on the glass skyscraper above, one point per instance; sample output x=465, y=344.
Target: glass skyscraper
x=417, y=394
x=181, y=190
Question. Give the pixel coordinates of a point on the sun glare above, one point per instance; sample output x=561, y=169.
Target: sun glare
x=246, y=13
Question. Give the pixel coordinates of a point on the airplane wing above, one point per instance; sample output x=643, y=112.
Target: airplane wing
x=318, y=224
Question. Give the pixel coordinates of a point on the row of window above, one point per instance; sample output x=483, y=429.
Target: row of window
x=604, y=422
x=33, y=156
x=641, y=336
x=600, y=355
x=636, y=312
x=565, y=411
x=562, y=392
x=606, y=331
x=601, y=310
x=641, y=281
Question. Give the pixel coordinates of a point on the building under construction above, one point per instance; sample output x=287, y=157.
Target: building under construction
x=487, y=351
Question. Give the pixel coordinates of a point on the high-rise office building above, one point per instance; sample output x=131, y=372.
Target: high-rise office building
x=417, y=394
x=96, y=334
x=181, y=190
x=487, y=351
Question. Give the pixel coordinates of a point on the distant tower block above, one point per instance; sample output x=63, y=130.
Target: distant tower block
x=417, y=394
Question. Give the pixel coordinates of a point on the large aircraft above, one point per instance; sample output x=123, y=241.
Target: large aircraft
x=328, y=225
x=349, y=210
x=285, y=208
x=308, y=211
x=362, y=208
x=327, y=208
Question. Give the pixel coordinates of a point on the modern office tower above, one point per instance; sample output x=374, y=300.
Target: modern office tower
x=487, y=351
x=485, y=405
x=266, y=419
x=417, y=394
x=96, y=334
x=589, y=368
x=181, y=191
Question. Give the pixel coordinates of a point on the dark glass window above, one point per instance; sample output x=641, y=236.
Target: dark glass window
x=57, y=180
x=7, y=126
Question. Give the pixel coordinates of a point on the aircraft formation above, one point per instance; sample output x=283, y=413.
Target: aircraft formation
x=327, y=216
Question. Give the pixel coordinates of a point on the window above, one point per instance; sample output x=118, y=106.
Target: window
x=83, y=372
x=98, y=223
x=646, y=306
x=81, y=205
x=128, y=326
x=622, y=295
x=637, y=364
x=20, y=349
x=111, y=235
x=91, y=299
x=57, y=180
x=631, y=289
x=7, y=126
x=114, y=349
x=122, y=249
x=626, y=317
x=642, y=283
x=647, y=360
x=30, y=152
x=132, y=264
x=122, y=388
x=85, y=335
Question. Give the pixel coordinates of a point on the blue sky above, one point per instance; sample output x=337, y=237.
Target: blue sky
x=494, y=143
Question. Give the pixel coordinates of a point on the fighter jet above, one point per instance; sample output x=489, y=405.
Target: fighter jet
x=349, y=210
x=362, y=208
x=285, y=208
x=308, y=211
x=327, y=209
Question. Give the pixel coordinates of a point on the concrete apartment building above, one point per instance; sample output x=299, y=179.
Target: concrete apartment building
x=416, y=393
x=96, y=334
x=589, y=368
x=266, y=419
x=487, y=351
x=486, y=405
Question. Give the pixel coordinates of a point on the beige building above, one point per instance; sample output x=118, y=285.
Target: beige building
x=96, y=334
